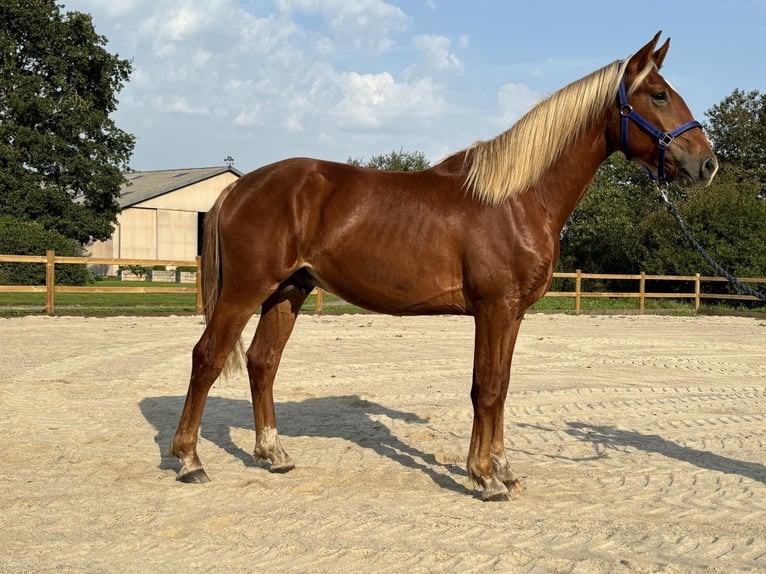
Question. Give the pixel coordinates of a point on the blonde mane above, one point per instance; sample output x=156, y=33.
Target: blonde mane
x=519, y=157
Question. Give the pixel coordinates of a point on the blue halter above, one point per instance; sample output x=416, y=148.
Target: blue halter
x=664, y=139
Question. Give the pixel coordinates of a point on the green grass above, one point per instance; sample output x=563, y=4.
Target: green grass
x=631, y=304
x=14, y=304
x=605, y=304
x=102, y=303
x=333, y=304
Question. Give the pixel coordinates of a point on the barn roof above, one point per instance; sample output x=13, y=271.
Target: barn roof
x=145, y=185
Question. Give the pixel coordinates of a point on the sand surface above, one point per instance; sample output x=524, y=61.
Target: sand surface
x=640, y=441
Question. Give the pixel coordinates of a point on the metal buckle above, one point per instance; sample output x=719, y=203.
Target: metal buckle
x=626, y=110
x=666, y=139
x=664, y=189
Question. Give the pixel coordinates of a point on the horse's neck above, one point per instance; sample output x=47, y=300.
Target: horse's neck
x=562, y=188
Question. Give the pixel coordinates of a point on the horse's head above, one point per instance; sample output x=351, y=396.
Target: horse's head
x=653, y=124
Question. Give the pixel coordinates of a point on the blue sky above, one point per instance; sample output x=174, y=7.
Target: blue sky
x=262, y=80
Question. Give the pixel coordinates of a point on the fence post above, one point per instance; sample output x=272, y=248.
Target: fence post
x=578, y=289
x=641, y=292
x=697, y=291
x=50, y=280
x=318, y=304
x=199, y=303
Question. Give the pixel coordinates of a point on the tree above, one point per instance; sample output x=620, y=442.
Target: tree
x=728, y=219
x=395, y=161
x=737, y=128
x=603, y=235
x=21, y=237
x=61, y=156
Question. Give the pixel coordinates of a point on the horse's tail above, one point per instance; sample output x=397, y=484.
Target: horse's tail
x=211, y=274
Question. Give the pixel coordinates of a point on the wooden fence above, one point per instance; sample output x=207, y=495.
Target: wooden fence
x=50, y=289
x=50, y=259
x=696, y=294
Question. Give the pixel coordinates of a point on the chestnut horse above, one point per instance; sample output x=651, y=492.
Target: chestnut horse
x=477, y=234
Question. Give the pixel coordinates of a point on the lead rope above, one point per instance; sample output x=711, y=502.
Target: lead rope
x=720, y=270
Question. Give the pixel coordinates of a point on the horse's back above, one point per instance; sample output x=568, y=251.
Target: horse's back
x=386, y=240
x=303, y=175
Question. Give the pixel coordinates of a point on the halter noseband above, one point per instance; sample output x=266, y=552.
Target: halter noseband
x=664, y=139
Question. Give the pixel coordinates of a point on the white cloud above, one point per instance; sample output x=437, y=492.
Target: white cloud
x=181, y=105
x=437, y=52
x=212, y=75
x=112, y=8
x=371, y=100
x=514, y=100
x=368, y=25
x=183, y=22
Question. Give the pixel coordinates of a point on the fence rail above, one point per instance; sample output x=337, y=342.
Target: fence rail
x=51, y=289
x=642, y=294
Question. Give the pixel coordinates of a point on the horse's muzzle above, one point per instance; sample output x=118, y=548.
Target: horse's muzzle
x=697, y=172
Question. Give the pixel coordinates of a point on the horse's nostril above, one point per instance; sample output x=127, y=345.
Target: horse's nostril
x=709, y=167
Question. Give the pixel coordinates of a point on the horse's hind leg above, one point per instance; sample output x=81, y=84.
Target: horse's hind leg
x=208, y=359
x=278, y=316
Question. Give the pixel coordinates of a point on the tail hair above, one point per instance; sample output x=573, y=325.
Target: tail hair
x=212, y=273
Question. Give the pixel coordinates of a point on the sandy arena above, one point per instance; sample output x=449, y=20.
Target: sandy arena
x=640, y=441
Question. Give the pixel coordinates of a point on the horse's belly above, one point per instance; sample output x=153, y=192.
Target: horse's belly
x=390, y=291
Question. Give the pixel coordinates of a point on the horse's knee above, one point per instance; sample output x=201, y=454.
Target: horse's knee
x=203, y=356
x=261, y=366
x=488, y=397
x=258, y=360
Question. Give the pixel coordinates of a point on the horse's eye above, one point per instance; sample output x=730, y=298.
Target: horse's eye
x=660, y=97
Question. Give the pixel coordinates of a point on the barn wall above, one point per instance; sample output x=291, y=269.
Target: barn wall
x=198, y=197
x=176, y=234
x=164, y=227
x=106, y=249
x=138, y=233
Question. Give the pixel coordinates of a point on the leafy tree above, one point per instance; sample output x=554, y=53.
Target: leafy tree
x=21, y=237
x=603, y=235
x=61, y=156
x=728, y=219
x=737, y=128
x=395, y=161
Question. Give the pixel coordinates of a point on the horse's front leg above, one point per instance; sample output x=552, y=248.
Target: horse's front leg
x=278, y=317
x=500, y=464
x=497, y=327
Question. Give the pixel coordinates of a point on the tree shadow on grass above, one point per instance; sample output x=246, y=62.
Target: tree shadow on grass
x=344, y=417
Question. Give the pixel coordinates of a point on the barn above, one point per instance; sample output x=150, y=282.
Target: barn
x=162, y=214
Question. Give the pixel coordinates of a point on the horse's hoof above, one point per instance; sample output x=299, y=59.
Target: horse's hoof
x=499, y=497
x=494, y=490
x=282, y=468
x=198, y=476
x=514, y=485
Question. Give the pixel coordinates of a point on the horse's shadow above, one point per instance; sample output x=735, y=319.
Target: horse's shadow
x=345, y=417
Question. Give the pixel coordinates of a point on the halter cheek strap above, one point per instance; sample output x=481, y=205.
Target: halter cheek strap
x=664, y=139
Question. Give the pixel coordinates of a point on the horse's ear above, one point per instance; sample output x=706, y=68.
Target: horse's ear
x=644, y=56
x=659, y=55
